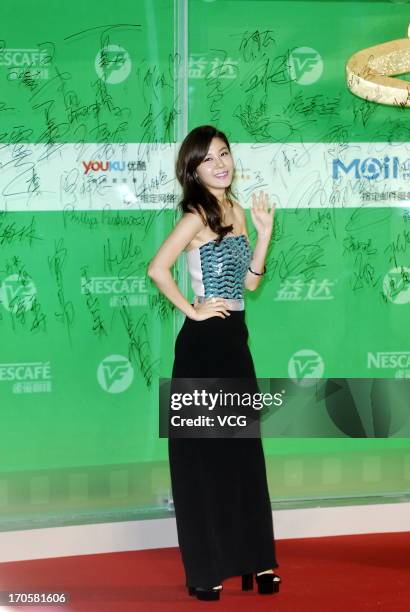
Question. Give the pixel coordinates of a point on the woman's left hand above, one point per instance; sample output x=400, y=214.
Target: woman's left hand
x=262, y=217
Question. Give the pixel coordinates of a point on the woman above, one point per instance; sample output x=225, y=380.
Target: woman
x=219, y=486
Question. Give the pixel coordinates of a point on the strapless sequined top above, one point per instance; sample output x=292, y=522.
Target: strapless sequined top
x=220, y=269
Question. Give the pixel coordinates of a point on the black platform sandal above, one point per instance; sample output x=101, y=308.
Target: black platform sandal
x=205, y=593
x=267, y=583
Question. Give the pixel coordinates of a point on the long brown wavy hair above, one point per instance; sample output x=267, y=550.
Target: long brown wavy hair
x=192, y=152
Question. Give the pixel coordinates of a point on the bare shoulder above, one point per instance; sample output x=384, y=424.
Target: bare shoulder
x=181, y=235
x=238, y=207
x=195, y=218
x=241, y=216
x=199, y=224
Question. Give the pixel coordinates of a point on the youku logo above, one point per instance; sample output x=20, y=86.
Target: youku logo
x=115, y=374
x=370, y=168
x=111, y=166
x=304, y=366
x=17, y=294
x=305, y=65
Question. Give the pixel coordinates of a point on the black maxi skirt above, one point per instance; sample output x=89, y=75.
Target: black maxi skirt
x=219, y=486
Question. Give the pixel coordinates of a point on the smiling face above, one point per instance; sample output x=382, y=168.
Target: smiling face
x=216, y=169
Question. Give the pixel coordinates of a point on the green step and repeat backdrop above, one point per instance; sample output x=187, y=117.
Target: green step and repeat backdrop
x=91, y=113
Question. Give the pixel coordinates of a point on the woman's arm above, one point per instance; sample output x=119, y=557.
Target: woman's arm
x=258, y=261
x=263, y=221
x=159, y=268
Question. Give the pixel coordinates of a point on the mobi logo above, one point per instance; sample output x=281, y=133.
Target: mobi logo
x=17, y=293
x=113, y=64
x=370, y=168
x=396, y=285
x=20, y=63
x=27, y=377
x=104, y=166
x=115, y=373
x=305, y=65
x=304, y=365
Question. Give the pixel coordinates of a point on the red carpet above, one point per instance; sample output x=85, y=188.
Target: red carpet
x=349, y=573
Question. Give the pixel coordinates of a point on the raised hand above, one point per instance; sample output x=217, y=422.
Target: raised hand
x=262, y=217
